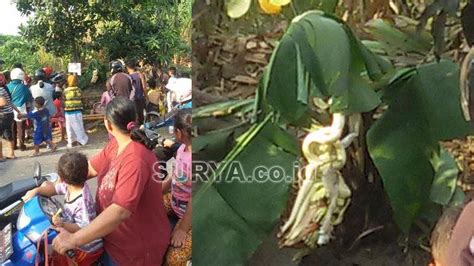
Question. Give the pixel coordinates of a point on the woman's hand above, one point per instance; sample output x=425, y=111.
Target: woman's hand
x=64, y=241
x=30, y=194
x=178, y=237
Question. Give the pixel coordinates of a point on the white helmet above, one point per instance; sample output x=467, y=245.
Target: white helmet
x=17, y=74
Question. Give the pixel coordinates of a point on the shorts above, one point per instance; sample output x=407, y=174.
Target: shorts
x=6, y=122
x=40, y=136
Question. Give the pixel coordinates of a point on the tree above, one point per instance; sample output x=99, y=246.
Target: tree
x=61, y=27
x=152, y=31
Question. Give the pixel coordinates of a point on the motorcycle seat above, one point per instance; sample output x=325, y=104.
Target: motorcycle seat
x=5, y=191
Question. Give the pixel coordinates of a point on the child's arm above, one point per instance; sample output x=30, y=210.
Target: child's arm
x=70, y=227
x=187, y=220
x=58, y=222
x=180, y=232
x=47, y=189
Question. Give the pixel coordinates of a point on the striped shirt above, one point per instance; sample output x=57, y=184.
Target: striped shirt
x=72, y=99
x=181, y=184
x=7, y=109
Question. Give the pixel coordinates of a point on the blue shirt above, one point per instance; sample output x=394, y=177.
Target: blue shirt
x=20, y=93
x=40, y=121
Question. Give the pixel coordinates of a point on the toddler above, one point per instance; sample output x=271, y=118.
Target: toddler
x=42, y=126
x=79, y=208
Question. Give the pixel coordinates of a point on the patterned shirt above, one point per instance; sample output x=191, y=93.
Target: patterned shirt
x=72, y=99
x=181, y=184
x=80, y=211
x=7, y=109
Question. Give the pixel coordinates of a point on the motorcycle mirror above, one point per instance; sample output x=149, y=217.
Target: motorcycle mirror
x=37, y=172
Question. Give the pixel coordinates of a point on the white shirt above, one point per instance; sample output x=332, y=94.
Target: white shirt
x=47, y=93
x=182, y=88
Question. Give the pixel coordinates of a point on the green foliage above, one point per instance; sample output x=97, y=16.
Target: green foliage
x=445, y=179
x=304, y=64
x=61, y=27
x=320, y=57
x=152, y=30
x=439, y=10
x=242, y=214
x=404, y=143
x=238, y=215
x=15, y=49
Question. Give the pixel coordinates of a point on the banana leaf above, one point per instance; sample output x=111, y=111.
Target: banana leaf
x=236, y=214
x=423, y=109
x=320, y=57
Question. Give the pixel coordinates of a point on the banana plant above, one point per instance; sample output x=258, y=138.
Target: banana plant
x=319, y=70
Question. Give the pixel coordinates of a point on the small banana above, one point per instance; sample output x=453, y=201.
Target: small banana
x=323, y=195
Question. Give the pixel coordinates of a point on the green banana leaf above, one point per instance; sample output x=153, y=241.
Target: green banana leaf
x=235, y=215
x=392, y=39
x=319, y=56
x=423, y=109
x=445, y=179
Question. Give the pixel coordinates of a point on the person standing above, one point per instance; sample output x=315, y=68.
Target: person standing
x=120, y=83
x=43, y=89
x=182, y=90
x=6, y=119
x=139, y=96
x=178, y=202
x=21, y=96
x=73, y=113
x=42, y=126
x=171, y=81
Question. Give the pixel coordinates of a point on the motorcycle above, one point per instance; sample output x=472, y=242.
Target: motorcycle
x=154, y=121
x=25, y=224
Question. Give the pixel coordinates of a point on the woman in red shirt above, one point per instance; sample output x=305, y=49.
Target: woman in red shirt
x=132, y=219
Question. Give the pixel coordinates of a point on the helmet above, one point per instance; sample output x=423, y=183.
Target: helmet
x=48, y=71
x=58, y=78
x=3, y=80
x=17, y=74
x=40, y=75
x=116, y=66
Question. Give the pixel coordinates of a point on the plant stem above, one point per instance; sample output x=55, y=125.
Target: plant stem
x=295, y=10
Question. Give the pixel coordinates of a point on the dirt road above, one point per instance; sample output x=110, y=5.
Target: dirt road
x=22, y=167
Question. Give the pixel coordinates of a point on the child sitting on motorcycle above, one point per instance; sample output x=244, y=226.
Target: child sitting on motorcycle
x=178, y=201
x=79, y=208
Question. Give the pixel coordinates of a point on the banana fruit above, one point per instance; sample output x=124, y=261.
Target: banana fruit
x=323, y=195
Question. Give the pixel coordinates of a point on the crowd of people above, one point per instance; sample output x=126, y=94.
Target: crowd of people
x=30, y=106
x=137, y=218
